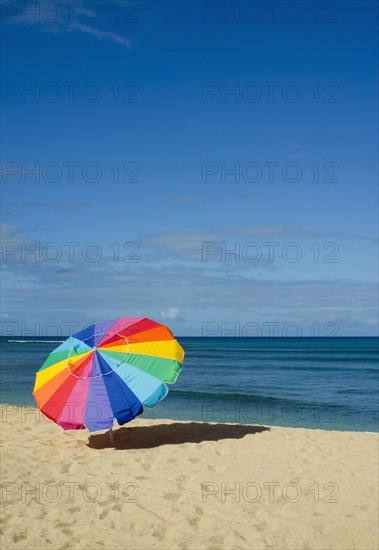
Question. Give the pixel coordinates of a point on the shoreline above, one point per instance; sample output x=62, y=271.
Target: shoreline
x=181, y=420
x=225, y=486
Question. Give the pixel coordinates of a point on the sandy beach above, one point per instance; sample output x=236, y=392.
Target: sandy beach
x=166, y=484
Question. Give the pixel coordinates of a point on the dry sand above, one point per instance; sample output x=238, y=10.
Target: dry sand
x=164, y=484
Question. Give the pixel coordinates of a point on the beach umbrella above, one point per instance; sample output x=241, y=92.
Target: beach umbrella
x=108, y=371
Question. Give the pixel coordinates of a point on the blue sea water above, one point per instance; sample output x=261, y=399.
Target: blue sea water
x=324, y=383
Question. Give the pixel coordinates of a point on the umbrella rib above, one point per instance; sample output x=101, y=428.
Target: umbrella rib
x=105, y=373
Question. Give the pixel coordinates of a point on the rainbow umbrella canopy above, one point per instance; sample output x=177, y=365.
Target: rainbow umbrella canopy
x=108, y=371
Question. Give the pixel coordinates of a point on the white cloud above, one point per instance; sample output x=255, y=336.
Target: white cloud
x=170, y=313
x=102, y=34
x=59, y=17
x=38, y=289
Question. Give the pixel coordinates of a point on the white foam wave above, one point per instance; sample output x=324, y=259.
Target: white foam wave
x=37, y=341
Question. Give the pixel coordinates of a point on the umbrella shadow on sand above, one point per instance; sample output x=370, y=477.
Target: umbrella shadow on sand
x=147, y=437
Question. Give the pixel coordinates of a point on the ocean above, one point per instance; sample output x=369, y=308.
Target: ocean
x=320, y=383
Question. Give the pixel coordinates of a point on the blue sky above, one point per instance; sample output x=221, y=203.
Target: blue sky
x=151, y=94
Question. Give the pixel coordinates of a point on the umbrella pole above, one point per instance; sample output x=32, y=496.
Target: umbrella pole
x=110, y=434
